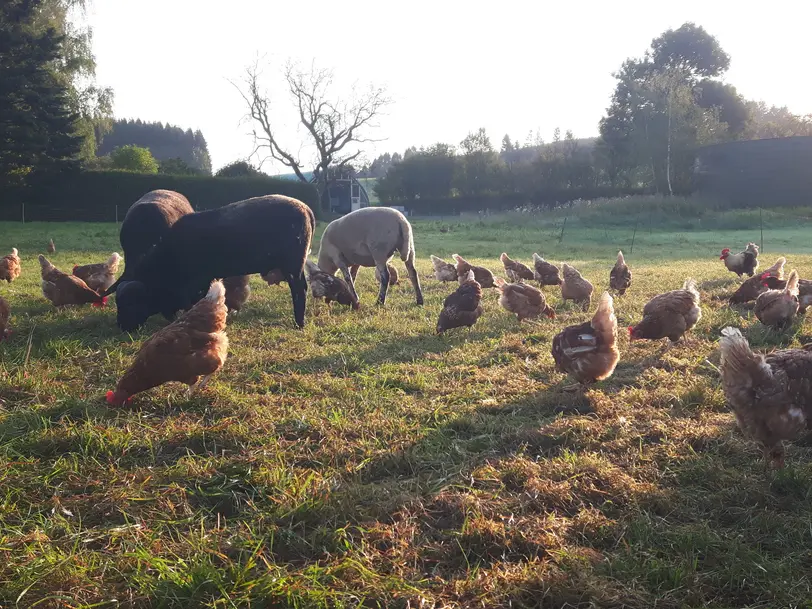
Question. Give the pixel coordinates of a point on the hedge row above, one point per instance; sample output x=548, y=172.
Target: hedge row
x=101, y=196
x=450, y=206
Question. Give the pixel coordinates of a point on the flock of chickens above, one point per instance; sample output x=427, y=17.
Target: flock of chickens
x=771, y=395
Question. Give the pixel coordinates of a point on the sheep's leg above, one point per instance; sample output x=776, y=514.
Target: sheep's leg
x=383, y=272
x=409, y=262
x=298, y=294
x=348, y=278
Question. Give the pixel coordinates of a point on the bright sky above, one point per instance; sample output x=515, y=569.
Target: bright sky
x=450, y=66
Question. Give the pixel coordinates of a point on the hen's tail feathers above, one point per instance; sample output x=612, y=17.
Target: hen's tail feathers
x=114, y=259
x=217, y=292
x=505, y=258
x=437, y=262
x=620, y=258
x=792, y=283
x=777, y=269
x=740, y=366
x=604, y=321
x=469, y=276
x=537, y=258
x=14, y=251
x=690, y=285
x=752, y=248
x=500, y=283
x=459, y=259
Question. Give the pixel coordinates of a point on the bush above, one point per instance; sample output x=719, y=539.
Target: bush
x=93, y=196
x=238, y=169
x=134, y=158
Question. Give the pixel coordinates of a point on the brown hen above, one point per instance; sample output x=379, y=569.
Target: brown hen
x=574, y=287
x=10, y=266
x=777, y=308
x=195, y=345
x=769, y=279
x=482, y=275
x=238, y=291
x=329, y=287
x=589, y=352
x=443, y=271
x=620, y=277
x=101, y=275
x=525, y=301
x=545, y=272
x=63, y=289
x=515, y=270
x=462, y=308
x=804, y=295
x=669, y=315
x=771, y=395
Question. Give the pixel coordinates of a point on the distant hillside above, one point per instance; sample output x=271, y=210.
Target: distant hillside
x=164, y=142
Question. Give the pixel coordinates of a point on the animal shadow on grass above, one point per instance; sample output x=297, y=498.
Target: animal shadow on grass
x=398, y=350
x=711, y=285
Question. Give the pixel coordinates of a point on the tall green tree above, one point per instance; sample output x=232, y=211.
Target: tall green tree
x=37, y=124
x=657, y=117
x=480, y=168
x=76, y=69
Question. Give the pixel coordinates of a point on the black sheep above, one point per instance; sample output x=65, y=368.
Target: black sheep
x=146, y=223
x=252, y=236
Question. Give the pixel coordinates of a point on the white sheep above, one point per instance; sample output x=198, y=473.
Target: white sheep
x=369, y=237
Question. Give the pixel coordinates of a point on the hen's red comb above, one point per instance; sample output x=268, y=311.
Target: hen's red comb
x=110, y=395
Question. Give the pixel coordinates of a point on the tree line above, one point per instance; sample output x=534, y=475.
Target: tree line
x=178, y=150
x=665, y=105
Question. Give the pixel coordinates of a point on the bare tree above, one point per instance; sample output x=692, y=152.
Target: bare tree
x=336, y=126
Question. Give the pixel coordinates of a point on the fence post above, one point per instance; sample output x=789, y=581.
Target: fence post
x=23, y=207
x=116, y=215
x=634, y=234
x=761, y=222
x=563, y=226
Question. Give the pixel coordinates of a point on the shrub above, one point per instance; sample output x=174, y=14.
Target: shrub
x=548, y=199
x=134, y=158
x=238, y=169
x=94, y=196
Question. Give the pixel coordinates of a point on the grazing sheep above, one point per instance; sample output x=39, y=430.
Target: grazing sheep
x=369, y=237
x=243, y=238
x=147, y=222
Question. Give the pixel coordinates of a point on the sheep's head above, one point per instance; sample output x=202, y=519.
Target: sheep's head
x=134, y=305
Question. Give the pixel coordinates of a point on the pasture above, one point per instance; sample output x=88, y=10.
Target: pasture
x=366, y=462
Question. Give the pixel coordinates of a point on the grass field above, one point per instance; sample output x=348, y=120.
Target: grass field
x=366, y=462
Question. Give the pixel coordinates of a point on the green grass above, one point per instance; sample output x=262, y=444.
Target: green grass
x=365, y=462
